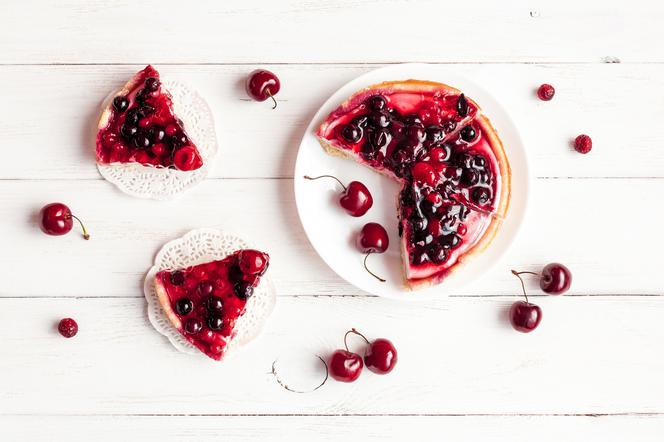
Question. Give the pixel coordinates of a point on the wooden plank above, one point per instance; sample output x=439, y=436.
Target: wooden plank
x=343, y=31
x=594, y=226
x=457, y=356
x=52, y=118
x=334, y=428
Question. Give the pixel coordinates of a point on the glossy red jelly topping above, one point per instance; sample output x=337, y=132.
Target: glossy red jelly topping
x=435, y=145
x=209, y=298
x=142, y=128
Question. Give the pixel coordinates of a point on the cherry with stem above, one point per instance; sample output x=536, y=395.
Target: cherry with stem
x=355, y=199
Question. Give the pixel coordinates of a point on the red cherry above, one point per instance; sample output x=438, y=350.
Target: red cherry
x=56, y=219
x=345, y=366
x=68, y=327
x=186, y=158
x=423, y=173
x=524, y=316
x=355, y=198
x=381, y=356
x=372, y=239
x=262, y=84
x=546, y=92
x=556, y=279
x=253, y=262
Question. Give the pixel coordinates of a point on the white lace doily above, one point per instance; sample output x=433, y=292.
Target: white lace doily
x=197, y=247
x=162, y=183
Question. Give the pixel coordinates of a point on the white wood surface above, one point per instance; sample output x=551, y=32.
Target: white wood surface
x=592, y=371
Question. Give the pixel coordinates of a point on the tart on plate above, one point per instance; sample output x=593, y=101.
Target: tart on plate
x=454, y=172
x=138, y=125
x=204, y=302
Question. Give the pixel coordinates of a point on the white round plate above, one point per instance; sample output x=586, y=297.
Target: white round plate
x=332, y=232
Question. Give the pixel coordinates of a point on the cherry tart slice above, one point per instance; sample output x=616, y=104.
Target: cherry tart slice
x=139, y=125
x=204, y=302
x=451, y=163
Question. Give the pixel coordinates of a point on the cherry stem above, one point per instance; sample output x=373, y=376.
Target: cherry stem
x=352, y=330
x=523, y=286
x=307, y=177
x=267, y=91
x=370, y=272
x=529, y=273
x=85, y=232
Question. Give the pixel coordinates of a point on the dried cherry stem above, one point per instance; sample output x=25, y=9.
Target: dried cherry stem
x=292, y=390
x=85, y=232
x=352, y=330
x=523, y=286
x=307, y=177
x=529, y=273
x=370, y=272
x=267, y=91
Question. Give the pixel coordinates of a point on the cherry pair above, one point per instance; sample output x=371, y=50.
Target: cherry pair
x=380, y=357
x=555, y=279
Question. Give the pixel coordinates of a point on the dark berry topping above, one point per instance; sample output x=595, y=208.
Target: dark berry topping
x=183, y=306
x=380, y=138
x=437, y=253
x=352, y=133
x=435, y=134
x=151, y=84
x=146, y=110
x=470, y=177
x=379, y=119
x=360, y=121
x=481, y=195
x=128, y=131
x=215, y=322
x=419, y=256
x=156, y=134
x=193, y=326
x=214, y=304
x=141, y=141
x=120, y=103
x=243, y=290
x=133, y=115
x=235, y=274
x=468, y=134
x=449, y=241
x=449, y=126
x=377, y=102
x=177, y=278
x=462, y=105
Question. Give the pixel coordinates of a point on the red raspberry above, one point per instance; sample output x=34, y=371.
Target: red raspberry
x=583, y=144
x=68, y=328
x=546, y=92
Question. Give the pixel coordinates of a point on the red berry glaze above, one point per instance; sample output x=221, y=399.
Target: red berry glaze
x=345, y=366
x=556, y=279
x=263, y=84
x=583, y=144
x=524, y=316
x=68, y=327
x=355, y=199
x=546, y=92
x=381, y=357
x=56, y=219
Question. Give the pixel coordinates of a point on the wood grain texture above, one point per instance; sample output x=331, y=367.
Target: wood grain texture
x=257, y=142
x=457, y=356
x=335, y=428
x=567, y=222
x=321, y=31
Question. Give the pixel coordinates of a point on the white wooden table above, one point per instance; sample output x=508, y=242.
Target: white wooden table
x=594, y=370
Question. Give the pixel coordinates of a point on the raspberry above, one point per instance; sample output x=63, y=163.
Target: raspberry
x=68, y=328
x=546, y=92
x=583, y=144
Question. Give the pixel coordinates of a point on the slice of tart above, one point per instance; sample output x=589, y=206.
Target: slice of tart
x=204, y=302
x=138, y=125
x=439, y=145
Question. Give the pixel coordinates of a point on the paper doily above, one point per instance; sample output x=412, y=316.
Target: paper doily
x=162, y=183
x=197, y=247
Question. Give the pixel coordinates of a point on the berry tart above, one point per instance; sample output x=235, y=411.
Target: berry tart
x=139, y=125
x=204, y=302
x=449, y=159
